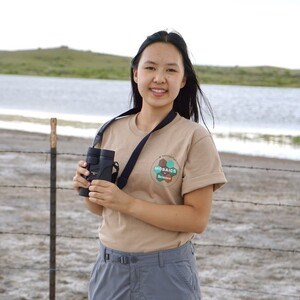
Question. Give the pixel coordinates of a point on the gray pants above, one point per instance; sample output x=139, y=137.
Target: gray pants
x=163, y=275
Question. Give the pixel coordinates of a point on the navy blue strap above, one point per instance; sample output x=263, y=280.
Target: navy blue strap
x=99, y=135
x=122, y=180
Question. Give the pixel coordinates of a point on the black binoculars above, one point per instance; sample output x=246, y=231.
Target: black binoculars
x=100, y=163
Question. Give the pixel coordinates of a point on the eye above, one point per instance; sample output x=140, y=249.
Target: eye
x=171, y=70
x=150, y=68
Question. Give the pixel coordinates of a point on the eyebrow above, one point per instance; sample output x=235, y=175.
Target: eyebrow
x=154, y=63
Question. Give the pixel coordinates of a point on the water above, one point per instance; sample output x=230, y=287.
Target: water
x=249, y=120
x=56, y=96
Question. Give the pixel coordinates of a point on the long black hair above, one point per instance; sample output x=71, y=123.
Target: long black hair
x=189, y=101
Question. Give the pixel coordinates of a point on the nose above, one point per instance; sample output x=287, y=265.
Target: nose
x=159, y=77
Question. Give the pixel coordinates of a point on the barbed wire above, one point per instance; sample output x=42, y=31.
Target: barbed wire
x=83, y=155
x=241, y=247
x=215, y=199
x=245, y=247
x=6, y=267
x=251, y=248
x=25, y=152
x=261, y=168
x=249, y=291
x=41, y=152
x=33, y=187
x=256, y=203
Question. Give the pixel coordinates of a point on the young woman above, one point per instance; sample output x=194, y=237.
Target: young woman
x=147, y=227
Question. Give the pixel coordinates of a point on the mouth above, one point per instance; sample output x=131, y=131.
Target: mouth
x=158, y=92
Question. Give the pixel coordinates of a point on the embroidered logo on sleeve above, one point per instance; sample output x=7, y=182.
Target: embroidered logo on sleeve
x=165, y=170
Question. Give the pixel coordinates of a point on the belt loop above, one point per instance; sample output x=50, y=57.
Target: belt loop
x=105, y=255
x=192, y=248
x=161, y=260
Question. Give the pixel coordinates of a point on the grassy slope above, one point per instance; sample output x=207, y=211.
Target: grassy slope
x=65, y=62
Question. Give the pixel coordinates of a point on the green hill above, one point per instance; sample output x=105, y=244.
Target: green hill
x=65, y=62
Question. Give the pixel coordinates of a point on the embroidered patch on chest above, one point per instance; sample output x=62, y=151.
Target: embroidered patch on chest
x=165, y=170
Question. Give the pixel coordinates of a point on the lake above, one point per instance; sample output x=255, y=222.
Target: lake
x=248, y=120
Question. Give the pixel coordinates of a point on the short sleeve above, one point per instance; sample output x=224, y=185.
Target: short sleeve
x=203, y=166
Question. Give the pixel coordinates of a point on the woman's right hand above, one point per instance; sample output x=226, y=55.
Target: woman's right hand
x=78, y=180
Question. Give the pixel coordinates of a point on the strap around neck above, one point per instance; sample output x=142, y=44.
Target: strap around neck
x=122, y=180
x=99, y=135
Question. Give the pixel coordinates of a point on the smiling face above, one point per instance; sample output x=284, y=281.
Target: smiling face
x=160, y=75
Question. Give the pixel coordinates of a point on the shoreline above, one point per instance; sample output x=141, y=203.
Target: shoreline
x=7, y=133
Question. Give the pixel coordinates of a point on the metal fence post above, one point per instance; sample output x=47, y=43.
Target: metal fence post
x=52, y=273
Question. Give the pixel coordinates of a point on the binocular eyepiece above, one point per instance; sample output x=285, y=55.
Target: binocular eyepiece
x=100, y=163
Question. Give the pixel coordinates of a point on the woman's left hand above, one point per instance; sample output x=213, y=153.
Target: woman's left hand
x=107, y=194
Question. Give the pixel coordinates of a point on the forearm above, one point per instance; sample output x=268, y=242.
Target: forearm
x=181, y=218
x=192, y=216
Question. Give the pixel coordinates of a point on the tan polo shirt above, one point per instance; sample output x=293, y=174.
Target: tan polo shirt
x=177, y=159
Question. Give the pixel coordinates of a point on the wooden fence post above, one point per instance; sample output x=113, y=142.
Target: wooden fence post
x=52, y=273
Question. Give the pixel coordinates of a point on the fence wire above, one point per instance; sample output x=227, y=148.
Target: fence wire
x=244, y=247
x=215, y=199
x=224, y=165
x=70, y=236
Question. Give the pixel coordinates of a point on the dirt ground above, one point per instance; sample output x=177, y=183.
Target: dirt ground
x=250, y=250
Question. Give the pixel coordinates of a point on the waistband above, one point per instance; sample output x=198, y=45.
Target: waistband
x=184, y=252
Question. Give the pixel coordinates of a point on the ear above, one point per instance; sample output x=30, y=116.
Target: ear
x=183, y=82
x=135, y=75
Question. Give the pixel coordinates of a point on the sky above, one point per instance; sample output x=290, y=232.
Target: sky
x=217, y=32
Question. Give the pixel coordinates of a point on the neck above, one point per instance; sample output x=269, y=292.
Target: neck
x=147, y=120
